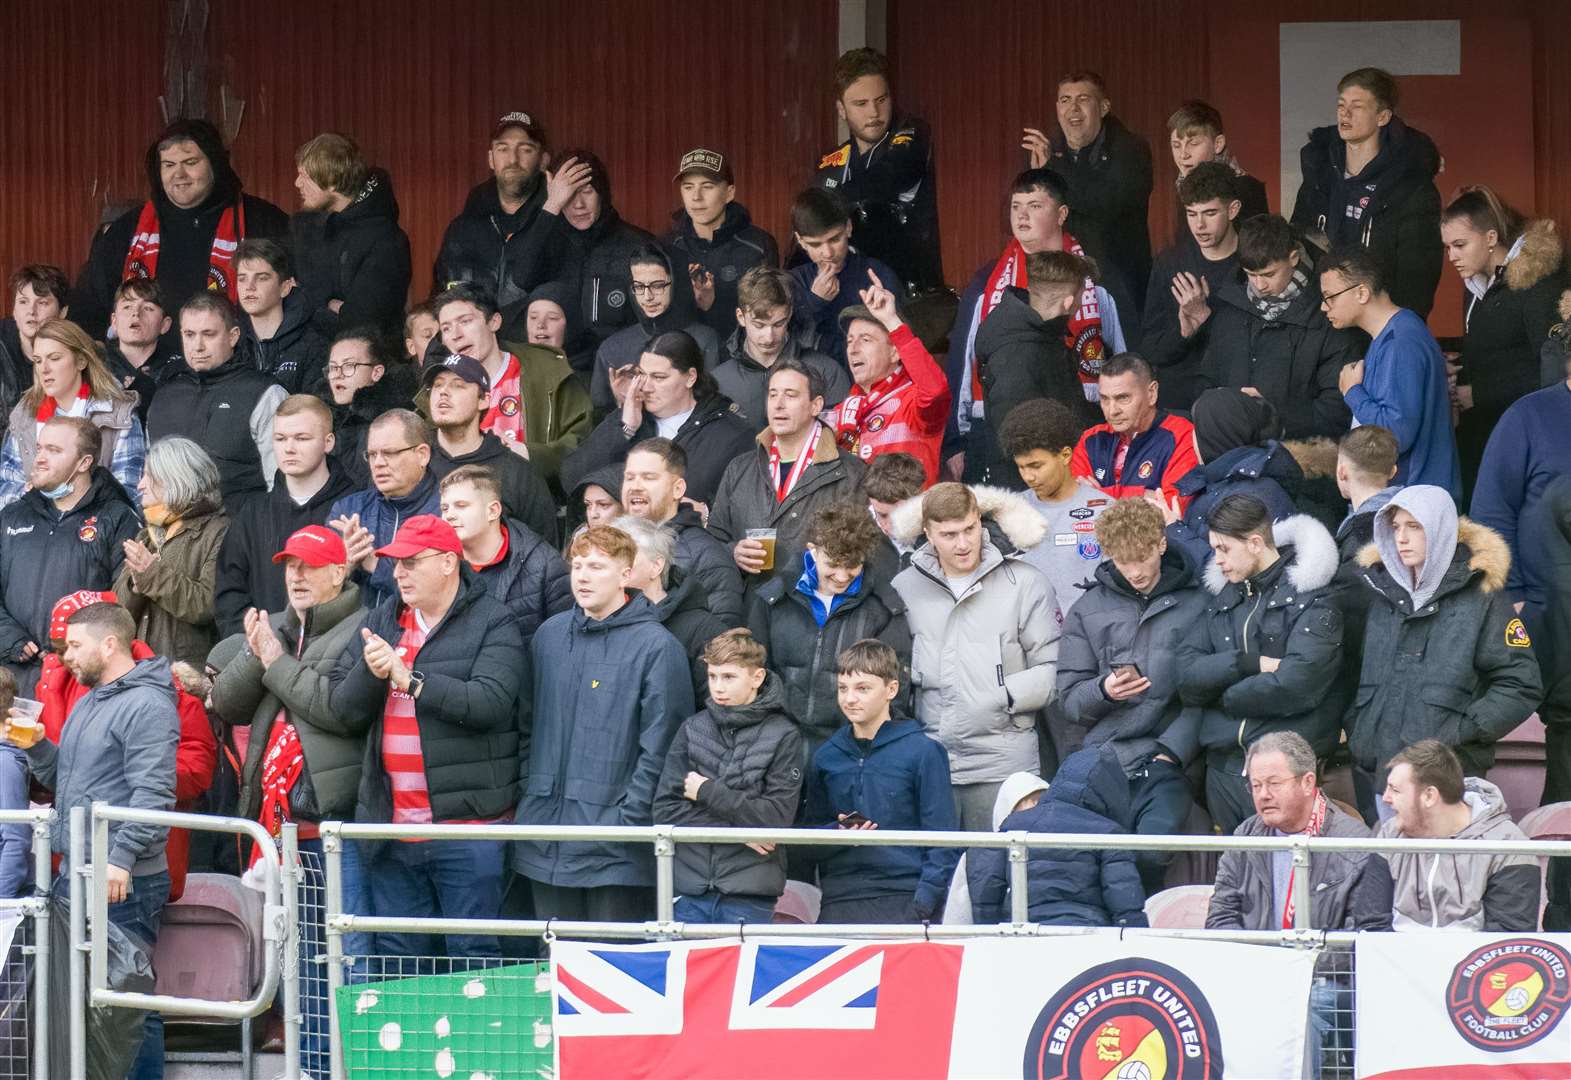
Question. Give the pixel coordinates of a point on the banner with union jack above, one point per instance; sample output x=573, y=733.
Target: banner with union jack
x=1091, y=1007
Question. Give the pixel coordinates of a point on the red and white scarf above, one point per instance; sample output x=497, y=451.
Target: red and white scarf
x=804, y=458
x=49, y=406
x=141, y=261
x=505, y=415
x=859, y=405
x=1084, y=335
x=1317, y=824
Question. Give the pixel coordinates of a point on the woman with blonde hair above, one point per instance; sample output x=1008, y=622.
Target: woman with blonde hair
x=71, y=378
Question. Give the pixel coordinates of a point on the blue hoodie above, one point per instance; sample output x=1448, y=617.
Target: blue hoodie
x=825, y=314
x=1405, y=391
x=900, y=781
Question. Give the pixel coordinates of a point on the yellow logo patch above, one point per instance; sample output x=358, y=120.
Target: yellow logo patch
x=1516, y=635
x=900, y=140
x=594, y=684
x=839, y=157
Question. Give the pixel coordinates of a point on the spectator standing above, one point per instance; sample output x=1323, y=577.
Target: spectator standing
x=403, y=486
x=610, y=686
x=1445, y=656
x=1040, y=436
x=736, y=763
x=890, y=480
x=1264, y=655
x=1494, y=893
x=38, y=294
x=351, y=254
x=66, y=533
x=682, y=604
x=434, y=680
x=1369, y=180
x=835, y=273
x=185, y=235
x=715, y=236
x=166, y=580
x=761, y=336
x=879, y=771
x=985, y=631
x=135, y=353
x=275, y=317
x=1142, y=447
x=1195, y=136
x=219, y=400
x=1108, y=169
x=16, y=856
x=1400, y=383
x=71, y=379
x=884, y=172
x=306, y=487
x=363, y=382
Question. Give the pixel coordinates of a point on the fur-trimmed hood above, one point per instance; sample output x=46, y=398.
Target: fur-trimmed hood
x=1316, y=457
x=1539, y=254
x=1488, y=553
x=1565, y=305
x=1021, y=525
x=1314, y=555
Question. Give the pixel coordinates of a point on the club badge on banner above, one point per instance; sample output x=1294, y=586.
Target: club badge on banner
x=1077, y=1008
x=1463, y=1006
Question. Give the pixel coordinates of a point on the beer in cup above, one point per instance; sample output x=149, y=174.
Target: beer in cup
x=767, y=538
x=24, y=719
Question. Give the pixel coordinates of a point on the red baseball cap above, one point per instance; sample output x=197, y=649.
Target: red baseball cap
x=424, y=532
x=314, y=545
x=70, y=604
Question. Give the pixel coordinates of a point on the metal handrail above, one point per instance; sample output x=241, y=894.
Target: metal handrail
x=36, y=907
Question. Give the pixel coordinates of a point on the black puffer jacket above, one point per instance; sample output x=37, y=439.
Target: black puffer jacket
x=1400, y=225
x=185, y=236
x=358, y=255
x=468, y=710
x=1022, y=357
x=712, y=436
x=531, y=582
x=752, y=755
x=525, y=494
x=737, y=246
x=705, y=558
x=352, y=422
x=217, y=410
x=592, y=262
x=687, y=614
x=485, y=245
x=1179, y=361
x=746, y=381
x=296, y=355
x=804, y=652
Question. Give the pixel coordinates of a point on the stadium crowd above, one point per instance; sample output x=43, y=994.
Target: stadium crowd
x=625, y=529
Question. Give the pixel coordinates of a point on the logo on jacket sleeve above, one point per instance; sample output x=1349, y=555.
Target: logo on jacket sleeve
x=835, y=159
x=89, y=530
x=1509, y=994
x=1516, y=635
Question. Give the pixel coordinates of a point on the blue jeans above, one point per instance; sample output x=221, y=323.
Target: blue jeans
x=314, y=1045
x=1330, y=1025
x=454, y=879
x=141, y=912
x=355, y=878
x=713, y=907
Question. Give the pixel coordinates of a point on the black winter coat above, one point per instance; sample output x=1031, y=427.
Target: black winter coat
x=746, y=381
x=16, y=370
x=185, y=237
x=687, y=613
x=1552, y=634
x=1109, y=201
x=531, y=582
x=296, y=355
x=142, y=381
x=712, y=436
x=1293, y=360
x=1022, y=357
x=1180, y=361
x=1068, y=886
x=1460, y=669
x=259, y=526
x=1401, y=223
x=592, y=262
x=1262, y=471
x=804, y=654
x=525, y=494
x=358, y=255
x=752, y=756
x=214, y=410
x=352, y=422
x=485, y=245
x=707, y=560
x=1287, y=612
x=468, y=711
x=738, y=246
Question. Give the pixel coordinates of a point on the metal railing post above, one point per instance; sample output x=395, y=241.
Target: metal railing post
x=78, y=945
x=1019, y=887
x=1301, y=894
x=98, y=969
x=290, y=961
x=333, y=904
x=41, y=951
x=665, y=875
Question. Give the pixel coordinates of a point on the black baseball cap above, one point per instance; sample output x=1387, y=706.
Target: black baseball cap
x=465, y=367
x=519, y=120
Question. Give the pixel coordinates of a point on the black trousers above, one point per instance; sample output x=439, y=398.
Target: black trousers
x=1161, y=797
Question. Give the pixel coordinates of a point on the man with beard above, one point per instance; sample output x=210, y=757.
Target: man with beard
x=484, y=244
x=184, y=236
x=715, y=236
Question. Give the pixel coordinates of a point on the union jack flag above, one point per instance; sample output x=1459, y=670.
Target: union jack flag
x=874, y=1011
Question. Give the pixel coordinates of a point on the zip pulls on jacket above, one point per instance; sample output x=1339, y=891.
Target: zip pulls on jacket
x=1243, y=643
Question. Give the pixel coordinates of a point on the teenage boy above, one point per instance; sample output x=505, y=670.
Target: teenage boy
x=1194, y=134
x=879, y=771
x=1177, y=325
x=138, y=324
x=715, y=236
x=276, y=319
x=761, y=338
x=420, y=326
x=1401, y=382
x=831, y=279
x=884, y=172
x=737, y=763
x=1040, y=437
x=891, y=479
x=38, y=294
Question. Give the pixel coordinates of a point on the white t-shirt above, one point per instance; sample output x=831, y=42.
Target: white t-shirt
x=667, y=427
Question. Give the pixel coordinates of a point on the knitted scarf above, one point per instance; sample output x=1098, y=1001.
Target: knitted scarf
x=858, y=405
x=1084, y=334
x=1272, y=308
x=141, y=261
x=1317, y=826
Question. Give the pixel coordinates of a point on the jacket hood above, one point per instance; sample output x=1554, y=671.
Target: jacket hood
x=325, y=616
x=394, y=390
x=1011, y=791
x=683, y=592
x=1316, y=457
x=375, y=199
x=490, y=449
x=484, y=201
x=296, y=321
x=1436, y=514
x=637, y=610
x=1021, y=525
x=771, y=701
x=1227, y=419
x=607, y=477
x=1491, y=816
x=1014, y=320
x=1093, y=779
x=736, y=219
x=1271, y=461
x=1537, y=254
x=153, y=674
x=226, y=183
x=104, y=489
x=893, y=730
x=1486, y=550
x=1311, y=565
x=1178, y=572
x=566, y=298
x=683, y=311
x=1406, y=155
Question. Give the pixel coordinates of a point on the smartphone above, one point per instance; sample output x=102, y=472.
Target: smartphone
x=1128, y=665
x=854, y=818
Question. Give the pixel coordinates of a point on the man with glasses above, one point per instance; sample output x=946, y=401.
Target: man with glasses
x=1401, y=382
x=398, y=455
x=364, y=381
x=662, y=300
x=434, y=678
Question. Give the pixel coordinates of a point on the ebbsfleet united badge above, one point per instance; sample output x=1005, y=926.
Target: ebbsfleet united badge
x=1131, y=1019
x=1510, y=994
